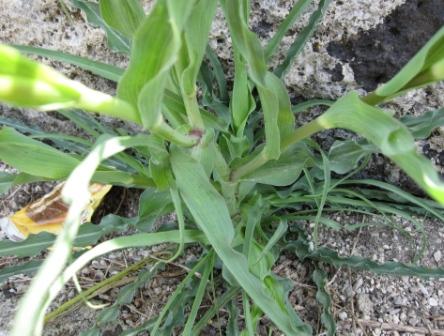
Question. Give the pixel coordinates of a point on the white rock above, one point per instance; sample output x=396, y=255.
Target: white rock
x=343, y=316
x=433, y=302
x=437, y=256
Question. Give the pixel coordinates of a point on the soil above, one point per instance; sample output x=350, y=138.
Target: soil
x=378, y=54
x=355, y=32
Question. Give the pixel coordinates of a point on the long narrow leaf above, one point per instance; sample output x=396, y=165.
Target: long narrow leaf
x=76, y=194
x=426, y=67
x=290, y=19
x=34, y=157
x=210, y=212
x=154, y=51
x=124, y=16
x=27, y=268
x=422, y=126
x=104, y=70
x=303, y=37
x=323, y=297
x=303, y=250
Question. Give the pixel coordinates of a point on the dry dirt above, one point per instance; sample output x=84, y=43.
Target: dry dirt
x=364, y=303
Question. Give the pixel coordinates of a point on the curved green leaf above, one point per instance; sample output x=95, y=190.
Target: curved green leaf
x=422, y=126
x=76, y=193
x=154, y=51
x=40, y=161
x=391, y=137
x=194, y=43
x=249, y=47
x=283, y=171
x=210, y=212
x=304, y=251
x=34, y=157
x=26, y=83
x=345, y=155
x=426, y=67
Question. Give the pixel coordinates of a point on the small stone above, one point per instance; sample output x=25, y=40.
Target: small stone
x=414, y=321
x=343, y=316
x=358, y=284
x=437, y=256
x=433, y=302
x=423, y=290
x=365, y=305
x=403, y=316
x=399, y=301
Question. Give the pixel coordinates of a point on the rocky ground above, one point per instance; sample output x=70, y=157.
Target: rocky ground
x=359, y=44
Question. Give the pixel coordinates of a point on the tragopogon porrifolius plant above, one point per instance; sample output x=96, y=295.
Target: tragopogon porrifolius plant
x=232, y=164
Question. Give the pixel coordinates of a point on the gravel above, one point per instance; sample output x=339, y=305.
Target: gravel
x=363, y=303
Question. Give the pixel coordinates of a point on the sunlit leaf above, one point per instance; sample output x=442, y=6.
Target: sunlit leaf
x=426, y=67
x=26, y=83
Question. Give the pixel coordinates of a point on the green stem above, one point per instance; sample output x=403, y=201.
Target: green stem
x=193, y=111
x=91, y=292
x=373, y=99
x=301, y=133
x=260, y=159
x=221, y=301
x=99, y=102
x=253, y=164
x=167, y=132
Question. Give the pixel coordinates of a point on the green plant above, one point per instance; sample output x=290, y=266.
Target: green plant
x=233, y=166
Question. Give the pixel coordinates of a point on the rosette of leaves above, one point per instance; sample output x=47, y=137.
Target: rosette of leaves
x=233, y=165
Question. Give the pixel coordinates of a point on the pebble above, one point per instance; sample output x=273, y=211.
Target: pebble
x=437, y=256
x=365, y=305
x=423, y=290
x=433, y=302
x=400, y=301
x=358, y=284
x=343, y=316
